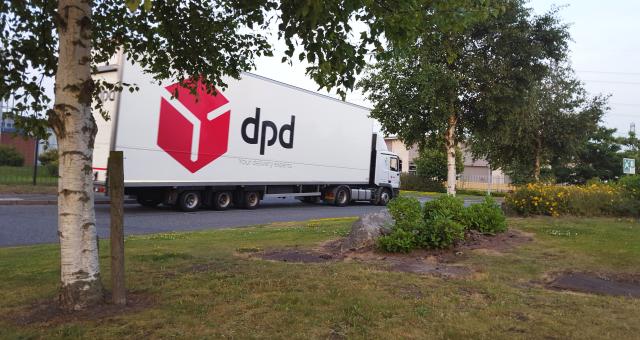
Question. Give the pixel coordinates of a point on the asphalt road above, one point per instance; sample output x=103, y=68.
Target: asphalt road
x=34, y=224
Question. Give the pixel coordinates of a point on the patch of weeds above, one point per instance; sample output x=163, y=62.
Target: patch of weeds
x=560, y=232
x=422, y=311
x=249, y=250
x=163, y=257
x=170, y=236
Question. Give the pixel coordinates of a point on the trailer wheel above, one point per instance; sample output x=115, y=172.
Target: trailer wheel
x=222, y=200
x=251, y=200
x=189, y=201
x=342, y=197
x=147, y=202
x=384, y=196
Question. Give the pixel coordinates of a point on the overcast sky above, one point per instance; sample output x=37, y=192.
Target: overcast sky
x=605, y=53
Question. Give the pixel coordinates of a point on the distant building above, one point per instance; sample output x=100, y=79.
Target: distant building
x=477, y=173
x=26, y=146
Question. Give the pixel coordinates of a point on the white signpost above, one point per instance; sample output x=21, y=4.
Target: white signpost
x=629, y=166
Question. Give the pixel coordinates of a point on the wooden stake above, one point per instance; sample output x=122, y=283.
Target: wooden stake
x=116, y=193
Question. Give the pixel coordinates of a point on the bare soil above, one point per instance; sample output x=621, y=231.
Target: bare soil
x=48, y=312
x=439, y=262
x=596, y=283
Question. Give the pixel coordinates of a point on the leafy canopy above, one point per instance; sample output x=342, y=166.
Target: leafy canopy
x=212, y=39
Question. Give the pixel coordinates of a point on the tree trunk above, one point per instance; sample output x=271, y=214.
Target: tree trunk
x=450, y=143
x=536, y=163
x=75, y=130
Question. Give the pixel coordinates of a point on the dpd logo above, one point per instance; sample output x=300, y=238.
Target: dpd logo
x=194, y=131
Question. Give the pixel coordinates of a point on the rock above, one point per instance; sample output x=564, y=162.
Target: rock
x=366, y=230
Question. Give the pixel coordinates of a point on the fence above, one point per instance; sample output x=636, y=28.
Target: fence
x=476, y=182
x=16, y=175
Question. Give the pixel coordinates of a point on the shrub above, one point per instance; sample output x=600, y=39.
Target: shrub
x=631, y=184
x=486, y=217
x=417, y=183
x=406, y=212
x=440, y=224
x=445, y=206
x=588, y=200
x=49, y=159
x=439, y=232
x=399, y=241
x=10, y=156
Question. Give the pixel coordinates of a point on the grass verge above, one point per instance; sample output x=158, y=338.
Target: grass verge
x=23, y=175
x=28, y=189
x=203, y=290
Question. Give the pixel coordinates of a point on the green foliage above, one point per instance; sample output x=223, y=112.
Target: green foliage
x=440, y=232
x=581, y=200
x=445, y=206
x=165, y=38
x=49, y=160
x=600, y=158
x=10, y=156
x=406, y=211
x=631, y=185
x=486, y=217
x=419, y=183
x=432, y=163
x=441, y=224
x=400, y=241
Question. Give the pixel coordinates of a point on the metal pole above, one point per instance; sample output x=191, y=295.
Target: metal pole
x=490, y=180
x=35, y=162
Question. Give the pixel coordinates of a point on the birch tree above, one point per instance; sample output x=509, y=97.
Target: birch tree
x=66, y=39
x=442, y=87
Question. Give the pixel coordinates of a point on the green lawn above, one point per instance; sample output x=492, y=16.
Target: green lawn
x=203, y=289
x=20, y=175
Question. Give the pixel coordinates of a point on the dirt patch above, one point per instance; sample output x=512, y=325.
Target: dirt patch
x=602, y=284
x=426, y=267
x=499, y=242
x=425, y=262
x=300, y=256
x=48, y=313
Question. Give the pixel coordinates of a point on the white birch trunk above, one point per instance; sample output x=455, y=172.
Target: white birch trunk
x=450, y=143
x=75, y=130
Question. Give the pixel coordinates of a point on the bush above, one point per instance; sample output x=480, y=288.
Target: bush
x=440, y=232
x=631, y=184
x=440, y=224
x=585, y=200
x=399, y=241
x=49, y=159
x=445, y=206
x=417, y=183
x=10, y=156
x=406, y=211
x=486, y=217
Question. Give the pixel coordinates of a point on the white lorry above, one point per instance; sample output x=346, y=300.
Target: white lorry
x=256, y=138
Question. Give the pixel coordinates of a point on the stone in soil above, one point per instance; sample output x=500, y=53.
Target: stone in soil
x=614, y=285
x=366, y=230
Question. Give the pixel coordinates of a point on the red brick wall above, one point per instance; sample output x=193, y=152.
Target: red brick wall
x=25, y=146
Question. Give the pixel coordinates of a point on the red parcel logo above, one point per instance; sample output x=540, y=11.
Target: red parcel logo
x=194, y=131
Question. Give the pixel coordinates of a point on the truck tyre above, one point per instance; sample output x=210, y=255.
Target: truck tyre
x=251, y=200
x=189, y=201
x=222, y=200
x=147, y=202
x=342, y=197
x=383, y=196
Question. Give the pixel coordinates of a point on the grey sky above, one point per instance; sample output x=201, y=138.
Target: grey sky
x=605, y=53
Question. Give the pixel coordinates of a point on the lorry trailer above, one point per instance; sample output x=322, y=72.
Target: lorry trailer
x=252, y=139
